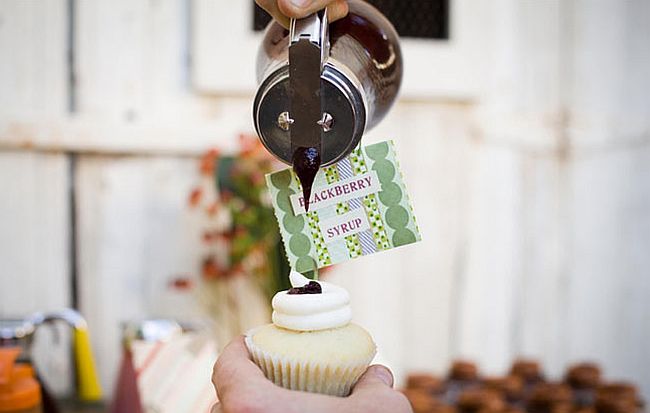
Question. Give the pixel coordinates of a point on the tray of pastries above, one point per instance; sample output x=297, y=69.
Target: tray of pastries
x=524, y=389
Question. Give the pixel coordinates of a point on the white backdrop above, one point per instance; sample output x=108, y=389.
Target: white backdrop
x=527, y=155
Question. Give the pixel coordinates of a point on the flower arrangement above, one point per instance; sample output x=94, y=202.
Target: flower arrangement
x=243, y=262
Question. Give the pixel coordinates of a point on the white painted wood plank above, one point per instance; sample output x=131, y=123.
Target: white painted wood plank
x=433, y=148
x=34, y=250
x=34, y=211
x=33, y=58
x=541, y=297
x=521, y=105
x=608, y=77
x=608, y=307
x=35, y=229
x=175, y=136
x=134, y=89
x=132, y=61
x=491, y=258
x=136, y=234
x=224, y=47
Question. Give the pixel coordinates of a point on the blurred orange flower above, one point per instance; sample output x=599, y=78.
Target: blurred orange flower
x=195, y=196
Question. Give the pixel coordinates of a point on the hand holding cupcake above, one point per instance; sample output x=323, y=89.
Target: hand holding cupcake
x=312, y=345
x=242, y=387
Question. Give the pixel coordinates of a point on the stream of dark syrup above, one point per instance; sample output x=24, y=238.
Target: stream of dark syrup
x=306, y=161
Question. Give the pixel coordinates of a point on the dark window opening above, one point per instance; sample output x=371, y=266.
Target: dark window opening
x=423, y=19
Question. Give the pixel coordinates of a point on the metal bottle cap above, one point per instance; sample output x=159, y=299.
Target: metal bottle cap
x=330, y=116
x=340, y=99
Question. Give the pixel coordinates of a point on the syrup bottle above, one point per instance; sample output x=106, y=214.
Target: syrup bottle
x=323, y=85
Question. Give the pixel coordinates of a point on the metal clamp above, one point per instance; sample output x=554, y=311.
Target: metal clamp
x=308, y=53
x=314, y=28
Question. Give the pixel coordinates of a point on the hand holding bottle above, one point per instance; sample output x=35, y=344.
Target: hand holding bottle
x=284, y=10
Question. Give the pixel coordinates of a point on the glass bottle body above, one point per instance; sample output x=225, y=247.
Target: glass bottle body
x=359, y=83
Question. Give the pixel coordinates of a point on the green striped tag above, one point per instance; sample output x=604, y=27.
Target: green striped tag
x=359, y=206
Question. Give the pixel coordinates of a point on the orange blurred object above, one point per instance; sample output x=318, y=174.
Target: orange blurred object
x=19, y=390
x=195, y=197
x=208, y=161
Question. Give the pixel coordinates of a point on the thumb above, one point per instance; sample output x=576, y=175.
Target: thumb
x=375, y=378
x=374, y=393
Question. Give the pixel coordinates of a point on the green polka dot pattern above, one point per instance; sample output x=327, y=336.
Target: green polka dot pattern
x=351, y=241
x=321, y=248
x=331, y=174
x=376, y=223
x=370, y=204
x=354, y=246
x=358, y=163
x=396, y=216
x=298, y=245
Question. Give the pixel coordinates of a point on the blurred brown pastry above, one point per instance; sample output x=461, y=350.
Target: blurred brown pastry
x=620, y=389
x=480, y=400
x=528, y=370
x=444, y=408
x=523, y=391
x=510, y=387
x=583, y=376
x=512, y=409
x=550, y=398
x=607, y=403
x=617, y=397
x=426, y=382
x=463, y=370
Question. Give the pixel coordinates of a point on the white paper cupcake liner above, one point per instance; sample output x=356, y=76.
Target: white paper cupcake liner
x=333, y=380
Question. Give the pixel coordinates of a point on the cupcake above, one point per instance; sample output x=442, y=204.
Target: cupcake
x=312, y=345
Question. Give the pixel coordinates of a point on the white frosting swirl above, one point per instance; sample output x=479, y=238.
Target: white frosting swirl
x=309, y=312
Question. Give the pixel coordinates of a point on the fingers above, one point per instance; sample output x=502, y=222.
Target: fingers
x=374, y=392
x=271, y=7
x=337, y=10
x=242, y=387
x=283, y=10
x=375, y=377
x=301, y=8
x=239, y=382
x=234, y=371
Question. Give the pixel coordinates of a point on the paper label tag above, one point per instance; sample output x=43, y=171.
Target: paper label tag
x=342, y=191
x=359, y=206
x=344, y=225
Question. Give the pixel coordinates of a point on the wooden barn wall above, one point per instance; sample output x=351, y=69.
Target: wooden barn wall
x=531, y=191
